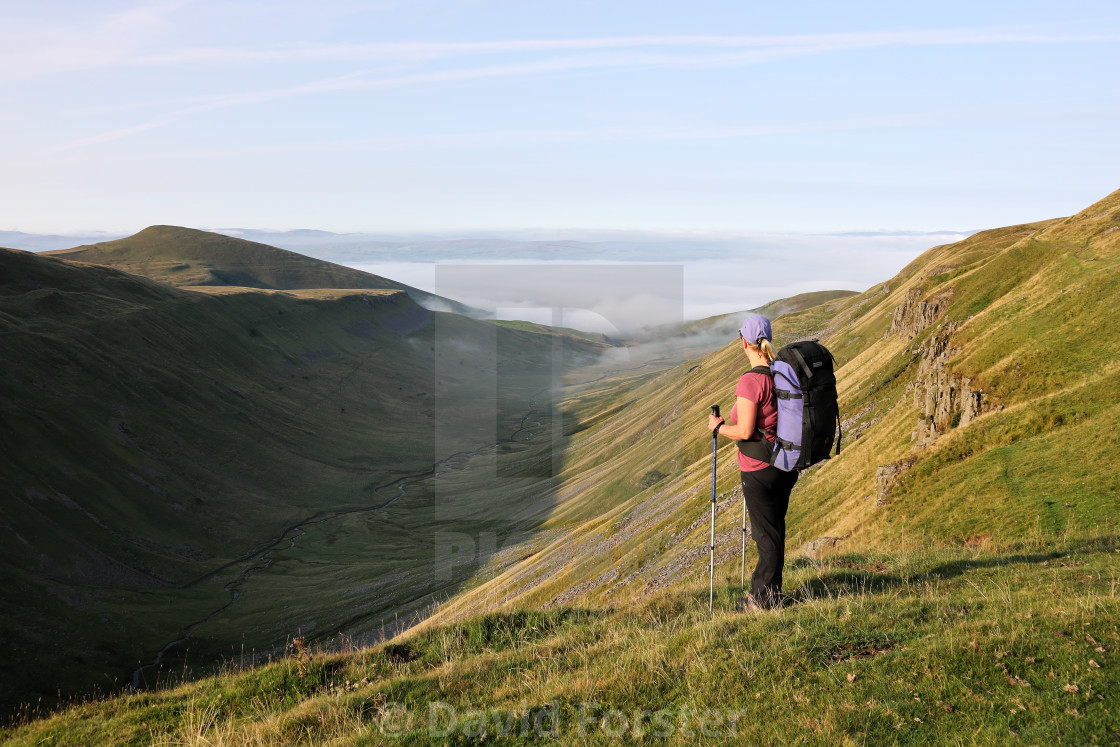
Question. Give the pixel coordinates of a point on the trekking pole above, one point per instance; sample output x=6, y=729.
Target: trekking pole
x=712, y=546
x=743, y=572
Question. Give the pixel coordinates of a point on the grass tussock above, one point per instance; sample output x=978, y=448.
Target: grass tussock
x=976, y=644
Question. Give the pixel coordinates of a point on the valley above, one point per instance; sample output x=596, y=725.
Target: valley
x=167, y=451
x=951, y=531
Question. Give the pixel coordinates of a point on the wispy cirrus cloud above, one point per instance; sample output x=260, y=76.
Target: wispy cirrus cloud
x=519, y=138
x=104, y=137
x=497, y=138
x=790, y=44
x=30, y=50
x=125, y=39
x=435, y=63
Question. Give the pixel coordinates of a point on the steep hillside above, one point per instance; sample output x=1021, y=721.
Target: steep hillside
x=168, y=455
x=965, y=382
x=187, y=257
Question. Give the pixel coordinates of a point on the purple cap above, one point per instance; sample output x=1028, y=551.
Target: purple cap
x=755, y=328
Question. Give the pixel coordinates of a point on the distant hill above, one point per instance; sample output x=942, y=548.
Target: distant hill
x=674, y=343
x=800, y=302
x=188, y=257
x=161, y=449
x=728, y=324
x=37, y=242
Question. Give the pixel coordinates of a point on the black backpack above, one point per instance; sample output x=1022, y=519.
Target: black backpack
x=805, y=389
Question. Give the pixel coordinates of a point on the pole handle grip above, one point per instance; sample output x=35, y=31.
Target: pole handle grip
x=715, y=410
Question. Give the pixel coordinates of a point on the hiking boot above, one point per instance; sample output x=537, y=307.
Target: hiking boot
x=754, y=605
x=749, y=605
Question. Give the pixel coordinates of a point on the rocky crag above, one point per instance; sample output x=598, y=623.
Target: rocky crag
x=944, y=398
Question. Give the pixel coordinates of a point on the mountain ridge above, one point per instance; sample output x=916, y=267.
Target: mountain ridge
x=188, y=257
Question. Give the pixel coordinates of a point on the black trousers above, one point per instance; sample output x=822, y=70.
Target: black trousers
x=766, y=492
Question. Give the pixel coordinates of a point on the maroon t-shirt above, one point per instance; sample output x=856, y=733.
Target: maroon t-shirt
x=758, y=388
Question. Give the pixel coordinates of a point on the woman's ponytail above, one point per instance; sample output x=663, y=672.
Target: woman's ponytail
x=767, y=349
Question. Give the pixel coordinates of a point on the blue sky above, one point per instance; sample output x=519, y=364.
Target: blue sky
x=470, y=115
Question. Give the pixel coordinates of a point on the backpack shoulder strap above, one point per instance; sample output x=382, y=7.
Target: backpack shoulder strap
x=769, y=372
x=796, y=354
x=760, y=447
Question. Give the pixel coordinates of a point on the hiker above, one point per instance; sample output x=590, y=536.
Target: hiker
x=766, y=488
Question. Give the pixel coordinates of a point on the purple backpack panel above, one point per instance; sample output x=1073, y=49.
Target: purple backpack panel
x=790, y=411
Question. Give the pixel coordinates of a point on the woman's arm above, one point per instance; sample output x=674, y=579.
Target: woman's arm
x=747, y=413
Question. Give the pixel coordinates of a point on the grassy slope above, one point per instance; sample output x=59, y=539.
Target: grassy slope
x=632, y=503
x=159, y=444
x=921, y=645
x=942, y=604
x=187, y=257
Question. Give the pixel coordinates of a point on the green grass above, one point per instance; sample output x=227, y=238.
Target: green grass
x=1019, y=473
x=919, y=644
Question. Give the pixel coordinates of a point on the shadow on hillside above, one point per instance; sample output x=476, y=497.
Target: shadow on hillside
x=844, y=575
x=254, y=468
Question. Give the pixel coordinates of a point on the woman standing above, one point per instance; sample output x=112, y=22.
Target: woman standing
x=766, y=488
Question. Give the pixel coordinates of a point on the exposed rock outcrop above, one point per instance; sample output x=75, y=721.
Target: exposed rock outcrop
x=944, y=399
x=914, y=314
x=813, y=548
x=886, y=476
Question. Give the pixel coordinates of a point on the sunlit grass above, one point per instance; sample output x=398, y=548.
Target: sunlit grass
x=926, y=643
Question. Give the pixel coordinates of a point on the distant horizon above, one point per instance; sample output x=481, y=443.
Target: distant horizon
x=522, y=234
x=721, y=272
